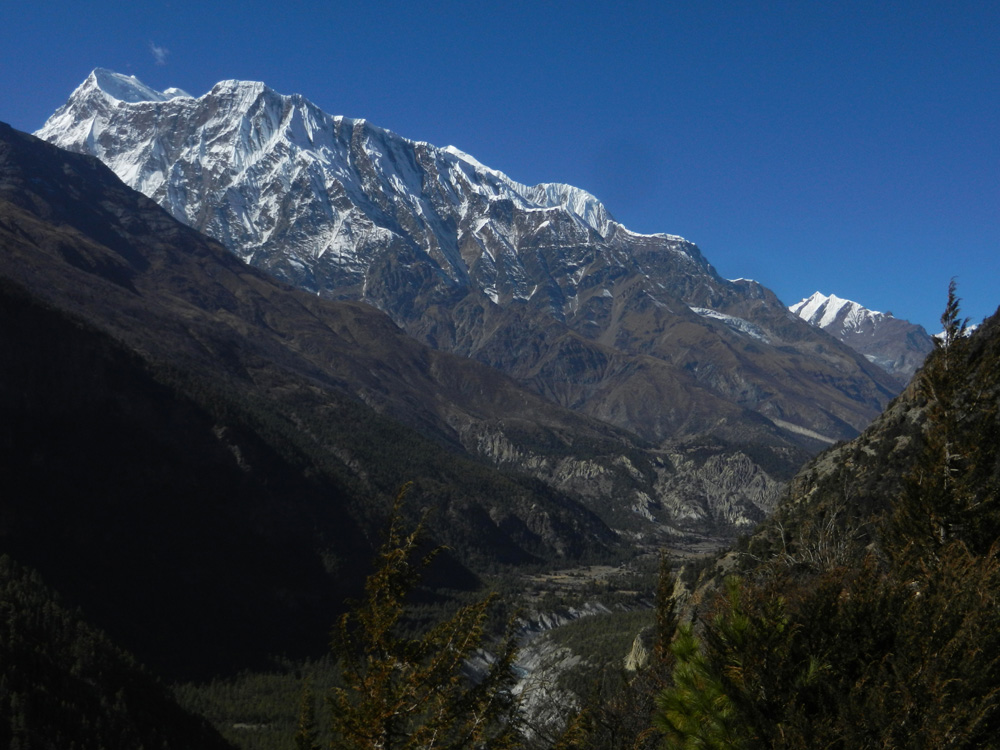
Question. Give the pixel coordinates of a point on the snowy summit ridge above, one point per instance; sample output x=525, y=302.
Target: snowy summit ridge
x=317, y=199
x=826, y=312
x=129, y=88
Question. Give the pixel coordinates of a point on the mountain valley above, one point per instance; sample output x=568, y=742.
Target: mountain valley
x=235, y=326
x=291, y=401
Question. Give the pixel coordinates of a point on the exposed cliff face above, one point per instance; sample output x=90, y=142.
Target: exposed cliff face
x=650, y=495
x=727, y=488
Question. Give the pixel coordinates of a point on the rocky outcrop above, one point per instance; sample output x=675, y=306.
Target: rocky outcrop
x=646, y=494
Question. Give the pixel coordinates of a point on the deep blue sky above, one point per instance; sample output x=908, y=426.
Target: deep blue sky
x=846, y=147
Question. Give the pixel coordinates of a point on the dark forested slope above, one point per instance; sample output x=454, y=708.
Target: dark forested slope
x=866, y=612
x=64, y=684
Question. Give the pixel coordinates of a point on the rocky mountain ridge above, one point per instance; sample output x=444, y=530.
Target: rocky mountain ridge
x=272, y=391
x=538, y=282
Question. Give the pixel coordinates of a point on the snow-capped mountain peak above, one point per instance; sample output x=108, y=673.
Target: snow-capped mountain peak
x=825, y=311
x=539, y=281
x=896, y=345
x=255, y=169
x=468, y=158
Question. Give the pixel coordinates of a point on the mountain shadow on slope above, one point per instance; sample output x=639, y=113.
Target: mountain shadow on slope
x=197, y=554
x=198, y=454
x=336, y=379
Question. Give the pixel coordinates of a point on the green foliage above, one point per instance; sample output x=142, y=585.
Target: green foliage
x=617, y=709
x=951, y=491
x=859, y=659
x=604, y=639
x=616, y=715
x=667, y=616
x=263, y=710
x=936, y=681
x=752, y=679
x=412, y=692
x=306, y=736
x=696, y=712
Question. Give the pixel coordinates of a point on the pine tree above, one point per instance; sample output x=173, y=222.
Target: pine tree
x=401, y=692
x=666, y=611
x=696, y=712
x=306, y=736
x=753, y=679
x=948, y=493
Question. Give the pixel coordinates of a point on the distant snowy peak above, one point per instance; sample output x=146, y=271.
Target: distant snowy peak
x=969, y=330
x=827, y=312
x=895, y=345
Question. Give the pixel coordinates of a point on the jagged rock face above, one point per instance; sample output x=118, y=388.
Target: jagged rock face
x=722, y=488
x=325, y=201
x=539, y=282
x=897, y=346
x=339, y=206
x=648, y=495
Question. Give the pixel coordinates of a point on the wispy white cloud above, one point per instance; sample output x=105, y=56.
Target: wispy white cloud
x=159, y=53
